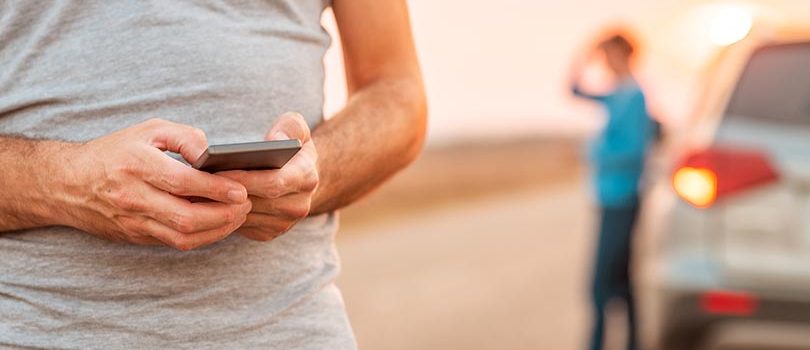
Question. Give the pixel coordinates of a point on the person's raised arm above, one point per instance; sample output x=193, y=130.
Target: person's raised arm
x=120, y=187
x=575, y=76
x=382, y=127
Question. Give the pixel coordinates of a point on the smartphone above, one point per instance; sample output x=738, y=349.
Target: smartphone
x=247, y=156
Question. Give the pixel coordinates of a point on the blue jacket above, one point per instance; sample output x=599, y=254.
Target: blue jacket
x=617, y=154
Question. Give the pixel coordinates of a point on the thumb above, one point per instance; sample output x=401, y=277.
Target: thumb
x=289, y=125
x=189, y=141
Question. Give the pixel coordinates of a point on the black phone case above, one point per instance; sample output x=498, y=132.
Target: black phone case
x=248, y=156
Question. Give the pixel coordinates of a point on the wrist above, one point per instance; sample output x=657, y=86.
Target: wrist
x=56, y=182
x=319, y=197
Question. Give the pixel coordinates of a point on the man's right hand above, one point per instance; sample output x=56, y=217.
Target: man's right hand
x=123, y=187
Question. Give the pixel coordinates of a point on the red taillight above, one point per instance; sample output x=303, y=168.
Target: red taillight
x=697, y=186
x=728, y=303
x=706, y=176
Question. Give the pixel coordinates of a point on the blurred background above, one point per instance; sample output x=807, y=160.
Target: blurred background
x=486, y=241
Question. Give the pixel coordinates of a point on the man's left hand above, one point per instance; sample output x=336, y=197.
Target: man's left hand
x=283, y=196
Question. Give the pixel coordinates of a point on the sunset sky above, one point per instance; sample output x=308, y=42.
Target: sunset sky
x=499, y=69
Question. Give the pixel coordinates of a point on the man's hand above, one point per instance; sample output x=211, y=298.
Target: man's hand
x=280, y=197
x=123, y=187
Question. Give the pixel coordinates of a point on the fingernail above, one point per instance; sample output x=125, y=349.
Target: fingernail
x=280, y=135
x=236, y=195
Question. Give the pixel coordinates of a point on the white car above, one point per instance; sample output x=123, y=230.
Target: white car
x=725, y=256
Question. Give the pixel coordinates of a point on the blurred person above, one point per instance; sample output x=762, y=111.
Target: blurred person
x=617, y=158
x=100, y=245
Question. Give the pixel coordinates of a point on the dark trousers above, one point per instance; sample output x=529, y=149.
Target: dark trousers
x=611, y=272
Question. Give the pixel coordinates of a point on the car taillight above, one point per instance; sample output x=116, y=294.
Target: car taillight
x=706, y=176
x=720, y=302
x=697, y=186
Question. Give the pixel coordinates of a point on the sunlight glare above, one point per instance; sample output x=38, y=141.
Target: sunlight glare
x=730, y=25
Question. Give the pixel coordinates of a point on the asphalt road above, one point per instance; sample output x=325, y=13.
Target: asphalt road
x=506, y=271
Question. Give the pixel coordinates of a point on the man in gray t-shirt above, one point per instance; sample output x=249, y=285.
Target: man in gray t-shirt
x=99, y=245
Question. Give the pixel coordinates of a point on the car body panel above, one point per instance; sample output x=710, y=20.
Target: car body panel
x=755, y=241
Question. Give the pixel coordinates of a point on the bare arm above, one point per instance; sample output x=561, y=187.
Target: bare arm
x=379, y=132
x=382, y=128
x=120, y=187
x=28, y=177
x=575, y=76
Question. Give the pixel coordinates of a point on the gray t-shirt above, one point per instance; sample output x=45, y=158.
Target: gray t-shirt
x=79, y=69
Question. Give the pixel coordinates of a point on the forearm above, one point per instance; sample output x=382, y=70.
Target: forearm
x=381, y=130
x=574, y=80
x=576, y=89
x=27, y=198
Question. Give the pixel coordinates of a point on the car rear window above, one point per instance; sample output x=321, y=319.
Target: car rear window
x=775, y=85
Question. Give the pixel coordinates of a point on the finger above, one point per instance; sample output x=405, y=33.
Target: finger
x=298, y=175
x=289, y=125
x=306, y=158
x=174, y=177
x=133, y=232
x=259, y=183
x=185, y=241
x=267, y=222
x=263, y=227
x=186, y=217
x=301, y=172
x=289, y=207
x=257, y=234
x=188, y=141
x=145, y=240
